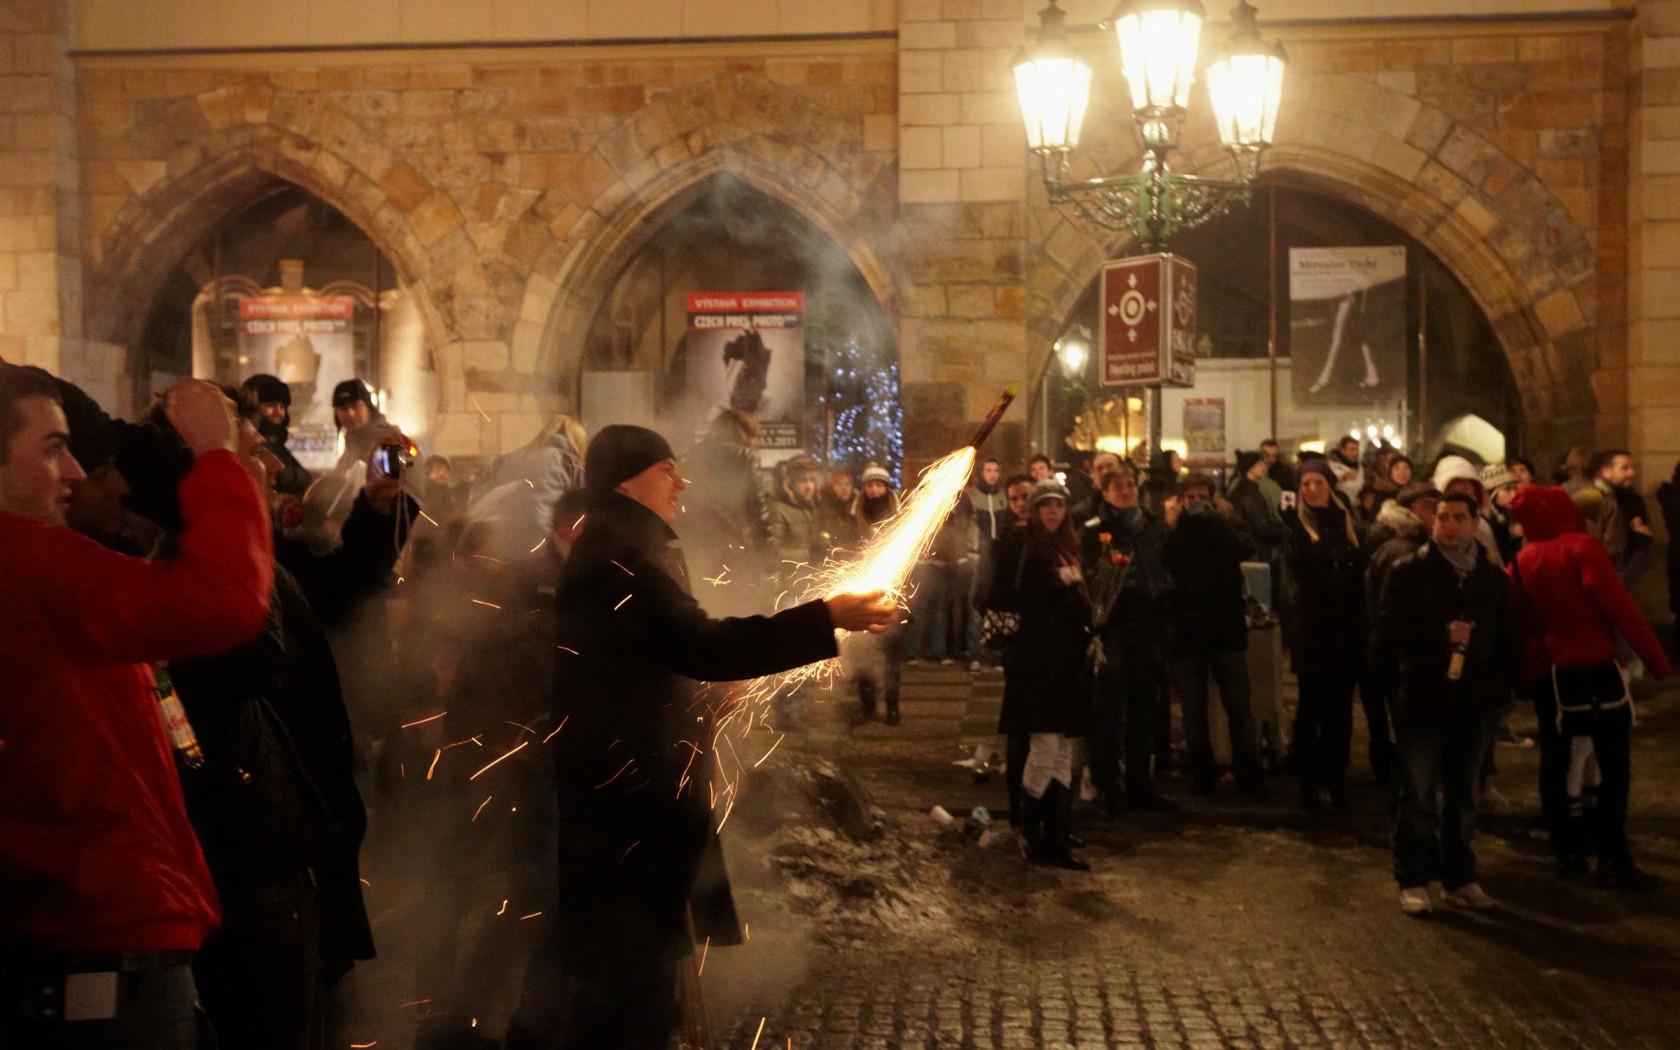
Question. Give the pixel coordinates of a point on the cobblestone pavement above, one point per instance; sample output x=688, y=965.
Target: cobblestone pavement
x=1234, y=925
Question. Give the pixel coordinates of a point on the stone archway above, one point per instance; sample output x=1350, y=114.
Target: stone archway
x=129, y=258
x=650, y=168
x=1415, y=167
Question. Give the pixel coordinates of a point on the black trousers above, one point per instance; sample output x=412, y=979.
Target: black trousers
x=259, y=974
x=605, y=979
x=1607, y=728
x=1127, y=713
x=1324, y=729
x=1376, y=696
x=1014, y=761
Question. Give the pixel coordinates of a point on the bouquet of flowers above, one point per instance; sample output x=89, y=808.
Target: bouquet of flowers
x=1106, y=576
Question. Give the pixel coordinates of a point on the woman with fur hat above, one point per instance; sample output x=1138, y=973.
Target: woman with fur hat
x=1047, y=686
x=1326, y=632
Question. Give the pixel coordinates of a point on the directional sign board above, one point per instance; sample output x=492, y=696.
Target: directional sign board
x=1148, y=330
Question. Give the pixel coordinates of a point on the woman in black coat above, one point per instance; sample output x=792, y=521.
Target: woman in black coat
x=1327, y=641
x=1046, y=680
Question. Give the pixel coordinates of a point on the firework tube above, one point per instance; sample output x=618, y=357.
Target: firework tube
x=992, y=417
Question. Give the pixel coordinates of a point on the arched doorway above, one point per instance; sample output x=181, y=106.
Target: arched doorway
x=1453, y=362
x=642, y=360
x=288, y=285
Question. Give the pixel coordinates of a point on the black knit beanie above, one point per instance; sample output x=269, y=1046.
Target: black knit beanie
x=620, y=452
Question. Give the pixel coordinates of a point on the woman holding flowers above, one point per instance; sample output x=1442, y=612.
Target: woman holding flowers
x=1037, y=576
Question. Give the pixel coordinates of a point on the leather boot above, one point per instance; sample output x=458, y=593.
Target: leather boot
x=1058, y=819
x=1030, y=826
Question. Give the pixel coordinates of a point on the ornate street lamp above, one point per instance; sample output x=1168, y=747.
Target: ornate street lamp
x=1159, y=41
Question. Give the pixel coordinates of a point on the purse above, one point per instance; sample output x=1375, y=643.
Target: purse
x=997, y=628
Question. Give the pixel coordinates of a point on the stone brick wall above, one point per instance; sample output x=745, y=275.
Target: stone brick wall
x=507, y=192
x=40, y=209
x=1650, y=383
x=509, y=187
x=962, y=192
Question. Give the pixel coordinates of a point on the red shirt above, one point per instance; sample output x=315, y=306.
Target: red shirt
x=96, y=854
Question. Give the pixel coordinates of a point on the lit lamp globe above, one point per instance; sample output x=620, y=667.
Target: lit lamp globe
x=1054, y=85
x=1159, y=40
x=1245, y=85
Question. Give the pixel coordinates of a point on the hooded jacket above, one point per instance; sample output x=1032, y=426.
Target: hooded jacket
x=1572, y=598
x=795, y=534
x=518, y=492
x=1397, y=534
x=1457, y=468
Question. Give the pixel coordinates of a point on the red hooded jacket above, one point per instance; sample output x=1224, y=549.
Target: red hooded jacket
x=96, y=854
x=1575, y=603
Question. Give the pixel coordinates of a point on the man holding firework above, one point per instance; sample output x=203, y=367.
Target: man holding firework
x=637, y=836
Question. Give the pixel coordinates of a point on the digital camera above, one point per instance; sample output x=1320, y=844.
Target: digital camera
x=394, y=457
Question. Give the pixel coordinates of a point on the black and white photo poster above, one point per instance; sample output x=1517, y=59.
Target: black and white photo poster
x=746, y=352
x=1347, y=324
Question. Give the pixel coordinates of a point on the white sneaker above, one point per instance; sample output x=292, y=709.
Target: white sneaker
x=1470, y=897
x=1414, y=900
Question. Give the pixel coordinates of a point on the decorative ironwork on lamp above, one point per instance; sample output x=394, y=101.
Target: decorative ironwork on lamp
x=1159, y=41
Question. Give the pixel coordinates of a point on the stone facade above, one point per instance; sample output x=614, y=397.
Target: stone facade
x=509, y=185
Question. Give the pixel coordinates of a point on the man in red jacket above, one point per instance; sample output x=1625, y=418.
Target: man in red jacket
x=1575, y=605
x=104, y=894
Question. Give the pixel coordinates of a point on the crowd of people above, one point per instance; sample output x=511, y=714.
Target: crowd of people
x=214, y=656
x=1440, y=603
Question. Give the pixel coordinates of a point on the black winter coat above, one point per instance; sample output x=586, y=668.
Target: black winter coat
x=1258, y=519
x=1326, y=614
x=1046, y=684
x=1423, y=595
x=318, y=594
x=1140, y=612
x=1668, y=498
x=633, y=646
x=1205, y=556
x=257, y=815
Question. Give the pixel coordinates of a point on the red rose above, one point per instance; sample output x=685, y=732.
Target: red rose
x=1117, y=558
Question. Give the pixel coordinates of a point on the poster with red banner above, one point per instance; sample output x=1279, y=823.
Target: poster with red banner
x=1148, y=322
x=307, y=341
x=746, y=351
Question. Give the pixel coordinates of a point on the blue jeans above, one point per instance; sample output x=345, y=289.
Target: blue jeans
x=1437, y=761
x=930, y=637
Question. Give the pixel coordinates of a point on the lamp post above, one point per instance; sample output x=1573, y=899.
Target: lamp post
x=1159, y=42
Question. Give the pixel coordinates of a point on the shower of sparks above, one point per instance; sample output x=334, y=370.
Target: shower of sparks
x=539, y=545
x=481, y=601
x=627, y=572
x=760, y=1032
x=503, y=910
x=480, y=808
x=435, y=758
x=708, y=947
x=557, y=729
x=884, y=564
x=533, y=915
x=423, y=721
x=431, y=519
x=509, y=754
